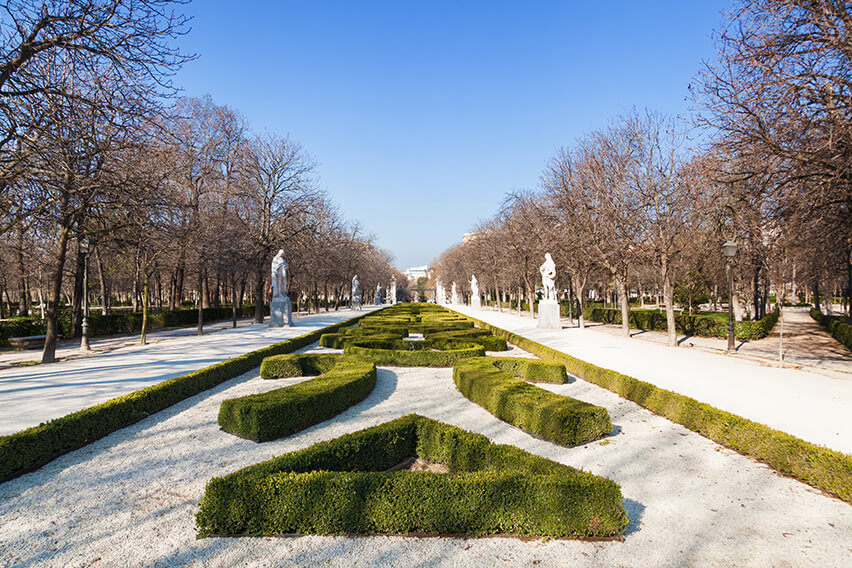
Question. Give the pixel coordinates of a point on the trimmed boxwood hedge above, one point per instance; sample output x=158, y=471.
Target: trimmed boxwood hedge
x=402, y=353
x=119, y=321
x=534, y=370
x=562, y=419
x=473, y=335
x=345, y=380
x=816, y=465
x=836, y=326
x=34, y=447
x=698, y=325
x=339, y=487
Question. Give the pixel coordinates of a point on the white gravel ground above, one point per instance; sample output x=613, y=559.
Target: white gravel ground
x=31, y=395
x=810, y=406
x=130, y=498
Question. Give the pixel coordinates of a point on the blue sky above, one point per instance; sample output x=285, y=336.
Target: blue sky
x=421, y=116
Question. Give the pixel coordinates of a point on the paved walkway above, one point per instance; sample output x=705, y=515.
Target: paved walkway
x=34, y=394
x=812, y=406
x=806, y=345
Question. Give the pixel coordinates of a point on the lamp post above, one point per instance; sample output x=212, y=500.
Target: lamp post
x=85, y=245
x=729, y=249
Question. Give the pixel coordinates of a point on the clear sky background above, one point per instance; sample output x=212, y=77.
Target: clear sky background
x=422, y=116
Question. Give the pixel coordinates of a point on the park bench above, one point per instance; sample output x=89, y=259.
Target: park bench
x=28, y=342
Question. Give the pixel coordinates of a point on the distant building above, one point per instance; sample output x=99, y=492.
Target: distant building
x=416, y=272
x=467, y=237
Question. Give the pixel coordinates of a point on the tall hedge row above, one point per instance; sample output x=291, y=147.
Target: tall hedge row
x=33, y=447
x=698, y=325
x=340, y=487
x=836, y=326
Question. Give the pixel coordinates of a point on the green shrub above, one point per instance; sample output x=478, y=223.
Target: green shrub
x=702, y=326
x=33, y=447
x=119, y=321
x=298, y=365
x=532, y=369
x=345, y=380
x=821, y=467
x=404, y=353
x=836, y=326
x=564, y=420
x=338, y=487
x=471, y=335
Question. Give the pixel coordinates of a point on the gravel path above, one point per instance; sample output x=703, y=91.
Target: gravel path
x=130, y=498
x=31, y=395
x=811, y=406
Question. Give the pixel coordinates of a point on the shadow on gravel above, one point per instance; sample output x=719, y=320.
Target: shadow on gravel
x=634, y=509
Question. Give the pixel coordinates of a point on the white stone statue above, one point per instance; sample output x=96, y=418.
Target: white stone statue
x=475, y=301
x=455, y=297
x=280, y=309
x=440, y=292
x=392, y=291
x=548, y=277
x=548, y=307
x=378, y=299
x=354, y=298
x=279, y=275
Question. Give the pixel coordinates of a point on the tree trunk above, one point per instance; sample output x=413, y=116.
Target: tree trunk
x=200, y=291
x=143, y=336
x=625, y=305
x=48, y=355
x=23, y=295
x=756, y=300
x=579, y=293
x=233, y=300
x=668, y=292
x=205, y=282
x=77, y=299
x=258, y=293
x=102, y=282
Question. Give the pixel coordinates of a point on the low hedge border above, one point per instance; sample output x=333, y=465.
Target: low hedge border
x=339, y=487
x=345, y=380
x=31, y=448
x=404, y=353
x=816, y=465
x=836, y=326
x=562, y=419
x=340, y=340
x=534, y=370
x=698, y=325
x=119, y=321
x=482, y=336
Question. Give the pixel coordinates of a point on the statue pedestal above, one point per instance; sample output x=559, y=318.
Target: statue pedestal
x=356, y=303
x=476, y=303
x=280, y=312
x=548, y=315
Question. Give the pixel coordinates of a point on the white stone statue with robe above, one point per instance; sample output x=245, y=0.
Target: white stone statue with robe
x=548, y=307
x=280, y=308
x=378, y=299
x=440, y=292
x=548, y=277
x=455, y=296
x=475, y=301
x=355, y=298
x=392, y=291
x=279, y=275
